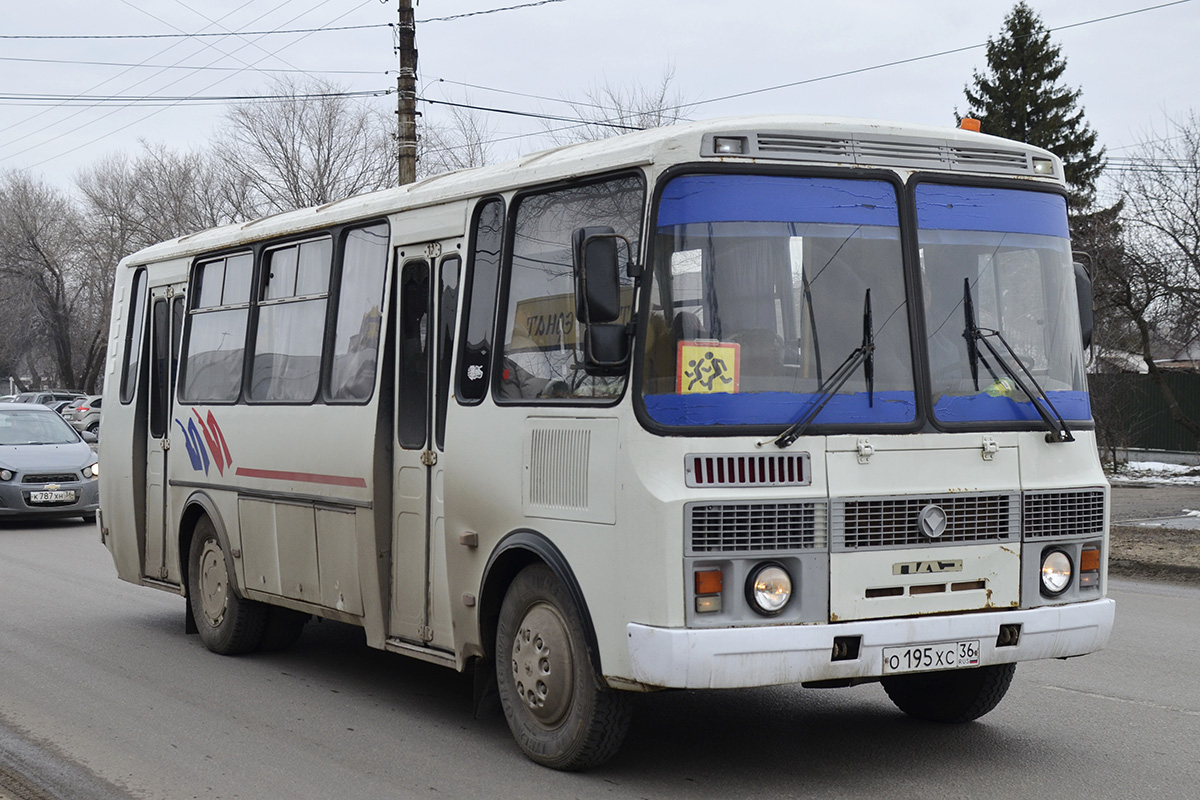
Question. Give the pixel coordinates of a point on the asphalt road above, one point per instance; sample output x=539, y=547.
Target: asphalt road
x=103, y=697
x=1138, y=502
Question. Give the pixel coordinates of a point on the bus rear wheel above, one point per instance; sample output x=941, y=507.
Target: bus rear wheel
x=958, y=695
x=555, y=704
x=228, y=624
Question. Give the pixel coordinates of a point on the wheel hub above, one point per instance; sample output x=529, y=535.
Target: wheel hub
x=214, y=582
x=542, y=668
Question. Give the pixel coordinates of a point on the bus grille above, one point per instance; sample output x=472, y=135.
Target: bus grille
x=895, y=521
x=1075, y=513
x=722, y=469
x=755, y=527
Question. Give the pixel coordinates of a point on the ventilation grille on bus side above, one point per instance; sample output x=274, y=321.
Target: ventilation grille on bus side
x=558, y=468
x=894, y=521
x=755, y=527
x=1074, y=513
x=722, y=469
x=914, y=153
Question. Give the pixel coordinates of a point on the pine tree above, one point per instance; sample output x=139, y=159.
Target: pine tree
x=1020, y=98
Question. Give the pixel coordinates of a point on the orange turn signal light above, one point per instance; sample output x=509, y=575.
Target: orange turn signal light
x=1089, y=560
x=969, y=124
x=708, y=581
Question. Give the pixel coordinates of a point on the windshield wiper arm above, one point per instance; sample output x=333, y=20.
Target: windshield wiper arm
x=864, y=354
x=1059, y=432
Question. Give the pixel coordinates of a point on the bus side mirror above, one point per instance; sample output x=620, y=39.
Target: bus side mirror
x=1083, y=291
x=598, y=298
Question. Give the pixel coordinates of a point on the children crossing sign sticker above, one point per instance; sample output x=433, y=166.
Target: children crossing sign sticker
x=707, y=367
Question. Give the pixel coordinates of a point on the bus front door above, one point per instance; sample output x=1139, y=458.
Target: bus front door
x=166, y=322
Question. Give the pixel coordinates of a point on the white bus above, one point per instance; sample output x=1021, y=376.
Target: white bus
x=734, y=403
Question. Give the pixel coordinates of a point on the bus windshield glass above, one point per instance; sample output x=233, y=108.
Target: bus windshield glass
x=763, y=286
x=1008, y=251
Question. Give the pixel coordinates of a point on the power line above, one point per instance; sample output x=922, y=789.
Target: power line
x=196, y=35
x=144, y=117
x=818, y=79
x=193, y=67
x=125, y=100
x=928, y=56
x=489, y=11
x=93, y=36
x=532, y=115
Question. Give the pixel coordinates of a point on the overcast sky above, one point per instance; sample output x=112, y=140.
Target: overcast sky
x=1134, y=70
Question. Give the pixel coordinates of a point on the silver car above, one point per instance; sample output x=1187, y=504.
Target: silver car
x=86, y=415
x=47, y=469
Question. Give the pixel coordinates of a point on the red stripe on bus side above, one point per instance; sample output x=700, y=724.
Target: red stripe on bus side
x=304, y=477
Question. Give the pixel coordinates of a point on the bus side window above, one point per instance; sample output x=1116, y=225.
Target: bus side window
x=216, y=330
x=133, y=336
x=160, y=359
x=447, y=324
x=479, y=307
x=413, y=349
x=291, y=322
x=359, y=314
x=542, y=351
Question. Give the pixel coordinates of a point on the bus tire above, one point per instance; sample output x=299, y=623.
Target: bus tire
x=228, y=624
x=558, y=710
x=958, y=695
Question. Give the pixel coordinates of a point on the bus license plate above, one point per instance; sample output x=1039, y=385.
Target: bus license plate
x=52, y=497
x=927, y=657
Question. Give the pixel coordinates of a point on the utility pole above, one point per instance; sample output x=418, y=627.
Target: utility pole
x=406, y=92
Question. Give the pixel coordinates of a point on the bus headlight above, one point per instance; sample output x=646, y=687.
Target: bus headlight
x=769, y=588
x=1056, y=572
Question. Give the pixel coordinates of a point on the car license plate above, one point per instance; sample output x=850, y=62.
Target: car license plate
x=927, y=657
x=52, y=497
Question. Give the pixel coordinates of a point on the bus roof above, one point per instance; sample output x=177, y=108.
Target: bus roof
x=810, y=139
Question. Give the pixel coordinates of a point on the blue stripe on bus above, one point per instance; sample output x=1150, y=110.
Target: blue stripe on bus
x=974, y=208
x=778, y=408
x=764, y=198
x=987, y=408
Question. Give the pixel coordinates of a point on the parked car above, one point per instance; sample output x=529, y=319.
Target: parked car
x=47, y=469
x=85, y=416
x=48, y=397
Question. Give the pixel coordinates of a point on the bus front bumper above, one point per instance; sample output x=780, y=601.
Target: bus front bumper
x=726, y=658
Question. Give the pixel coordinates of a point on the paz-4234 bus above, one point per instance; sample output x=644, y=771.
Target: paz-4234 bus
x=734, y=403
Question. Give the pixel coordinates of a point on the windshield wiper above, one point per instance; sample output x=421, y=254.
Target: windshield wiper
x=864, y=354
x=1059, y=432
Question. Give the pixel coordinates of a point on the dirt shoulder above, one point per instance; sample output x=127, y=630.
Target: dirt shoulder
x=1151, y=537
x=1164, y=554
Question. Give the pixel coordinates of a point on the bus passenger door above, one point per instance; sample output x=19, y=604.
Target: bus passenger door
x=166, y=322
x=413, y=456
x=427, y=307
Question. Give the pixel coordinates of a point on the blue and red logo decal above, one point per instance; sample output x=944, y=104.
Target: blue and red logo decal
x=203, y=437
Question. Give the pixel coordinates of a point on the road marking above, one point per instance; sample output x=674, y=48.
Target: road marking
x=1142, y=703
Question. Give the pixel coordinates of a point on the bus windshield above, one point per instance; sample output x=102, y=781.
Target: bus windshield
x=764, y=285
x=1009, y=250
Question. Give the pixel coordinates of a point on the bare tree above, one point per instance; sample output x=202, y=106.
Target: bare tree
x=1157, y=288
x=42, y=265
x=312, y=146
x=611, y=109
x=461, y=142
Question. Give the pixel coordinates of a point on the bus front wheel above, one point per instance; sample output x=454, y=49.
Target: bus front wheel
x=558, y=710
x=228, y=624
x=958, y=695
